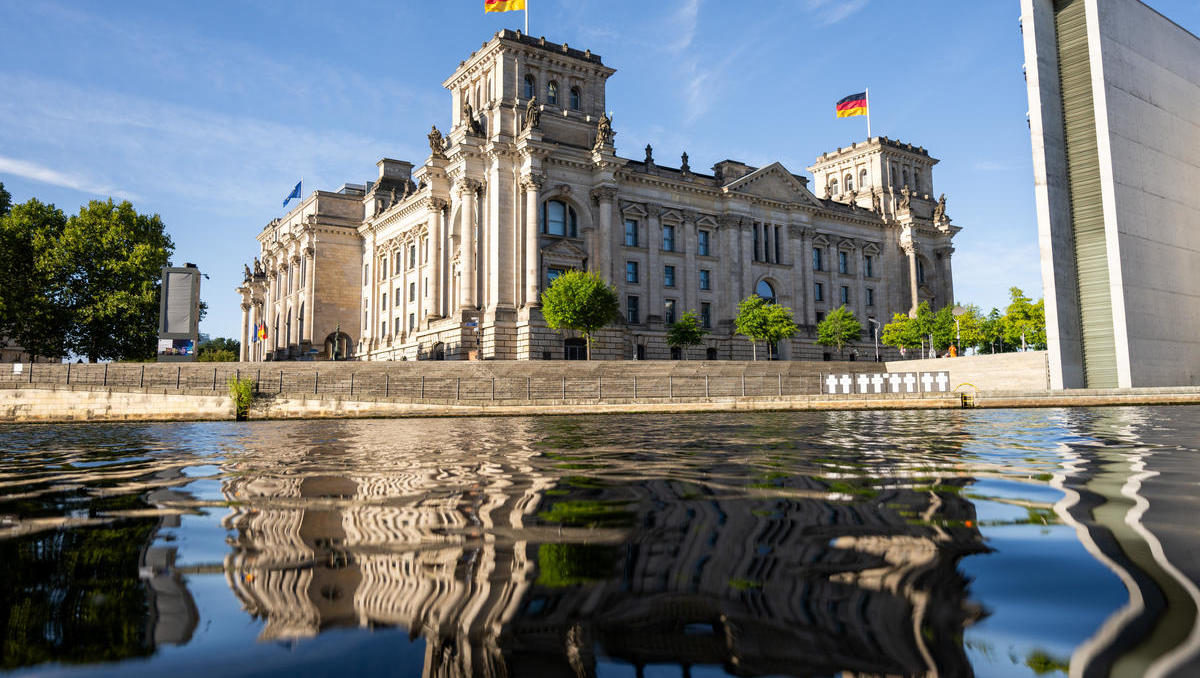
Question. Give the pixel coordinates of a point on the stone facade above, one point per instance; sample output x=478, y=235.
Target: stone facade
x=447, y=260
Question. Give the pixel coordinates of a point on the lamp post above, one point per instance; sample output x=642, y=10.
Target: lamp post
x=875, y=329
x=958, y=310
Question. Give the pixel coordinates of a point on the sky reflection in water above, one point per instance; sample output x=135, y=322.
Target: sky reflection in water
x=990, y=543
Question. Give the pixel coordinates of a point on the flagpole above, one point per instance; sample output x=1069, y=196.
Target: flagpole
x=526, y=17
x=868, y=92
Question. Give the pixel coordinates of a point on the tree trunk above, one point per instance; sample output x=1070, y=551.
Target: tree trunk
x=754, y=350
x=588, y=343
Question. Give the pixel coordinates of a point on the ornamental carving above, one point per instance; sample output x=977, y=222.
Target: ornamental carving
x=533, y=182
x=466, y=185
x=604, y=194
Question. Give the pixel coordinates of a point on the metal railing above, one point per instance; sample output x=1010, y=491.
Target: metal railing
x=372, y=384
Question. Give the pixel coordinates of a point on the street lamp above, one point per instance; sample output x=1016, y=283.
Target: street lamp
x=958, y=310
x=875, y=329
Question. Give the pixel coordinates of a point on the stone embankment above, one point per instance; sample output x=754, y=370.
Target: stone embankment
x=131, y=392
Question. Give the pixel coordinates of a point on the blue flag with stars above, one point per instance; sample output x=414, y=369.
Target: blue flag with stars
x=294, y=194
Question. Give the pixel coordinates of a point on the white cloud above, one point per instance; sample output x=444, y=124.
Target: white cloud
x=830, y=12
x=45, y=175
x=685, y=22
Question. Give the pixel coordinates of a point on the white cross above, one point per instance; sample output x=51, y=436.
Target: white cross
x=863, y=380
x=942, y=380
x=927, y=380
x=831, y=383
x=846, y=383
x=910, y=382
x=877, y=382
x=894, y=381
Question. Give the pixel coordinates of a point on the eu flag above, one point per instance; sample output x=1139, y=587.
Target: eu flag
x=294, y=194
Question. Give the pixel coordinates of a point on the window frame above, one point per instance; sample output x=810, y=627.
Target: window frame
x=669, y=308
x=818, y=291
x=668, y=229
x=702, y=243
x=633, y=313
x=669, y=276
x=631, y=232
x=575, y=99
x=705, y=279
x=552, y=92
x=631, y=272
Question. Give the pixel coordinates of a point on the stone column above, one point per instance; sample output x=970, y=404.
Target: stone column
x=310, y=265
x=910, y=250
x=747, y=257
x=533, y=276
x=653, y=273
x=245, y=352
x=434, y=207
x=403, y=303
x=467, y=194
x=860, y=293
x=691, y=276
x=808, y=276
x=947, y=274
x=604, y=198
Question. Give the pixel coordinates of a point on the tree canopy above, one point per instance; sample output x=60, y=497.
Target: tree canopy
x=87, y=285
x=991, y=333
x=219, y=350
x=839, y=328
x=686, y=332
x=582, y=302
x=761, y=320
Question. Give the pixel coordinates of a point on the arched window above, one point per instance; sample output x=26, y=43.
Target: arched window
x=558, y=218
x=576, y=99
x=765, y=291
x=552, y=93
x=862, y=179
x=530, y=87
x=833, y=187
x=849, y=182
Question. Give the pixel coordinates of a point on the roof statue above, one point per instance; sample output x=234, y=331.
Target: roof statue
x=533, y=115
x=437, y=143
x=604, y=132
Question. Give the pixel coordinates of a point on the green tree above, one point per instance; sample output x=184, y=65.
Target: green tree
x=760, y=320
x=686, y=332
x=582, y=302
x=33, y=310
x=219, y=350
x=1025, y=319
x=902, y=332
x=5, y=200
x=991, y=333
x=112, y=256
x=839, y=328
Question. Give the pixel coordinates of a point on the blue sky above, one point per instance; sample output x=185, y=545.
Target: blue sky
x=208, y=113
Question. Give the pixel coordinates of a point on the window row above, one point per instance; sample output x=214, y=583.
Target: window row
x=843, y=294
x=633, y=312
x=397, y=262
x=843, y=262
x=632, y=269
x=766, y=243
x=703, y=238
x=295, y=273
x=575, y=96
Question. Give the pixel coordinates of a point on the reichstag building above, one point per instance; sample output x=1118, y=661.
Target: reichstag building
x=446, y=259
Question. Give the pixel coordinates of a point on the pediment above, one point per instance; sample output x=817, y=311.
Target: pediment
x=773, y=182
x=564, y=249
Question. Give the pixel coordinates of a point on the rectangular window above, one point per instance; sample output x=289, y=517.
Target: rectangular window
x=427, y=288
x=845, y=295
x=631, y=310
x=704, y=279
x=303, y=271
x=412, y=291
x=631, y=228
x=631, y=271
x=869, y=264
x=777, y=244
x=706, y=315
x=425, y=246
x=870, y=296
x=383, y=328
x=702, y=244
x=383, y=268
x=399, y=327
x=757, y=257
x=366, y=276
x=412, y=256
x=383, y=301
x=668, y=239
x=820, y=316
x=398, y=296
x=920, y=272
x=412, y=321
x=843, y=263
x=669, y=276
x=669, y=312
x=818, y=292
x=817, y=263
x=552, y=274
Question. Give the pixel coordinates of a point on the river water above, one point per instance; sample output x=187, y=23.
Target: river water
x=951, y=543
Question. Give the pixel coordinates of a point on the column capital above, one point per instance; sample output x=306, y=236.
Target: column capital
x=466, y=185
x=533, y=182
x=245, y=308
x=604, y=193
x=435, y=204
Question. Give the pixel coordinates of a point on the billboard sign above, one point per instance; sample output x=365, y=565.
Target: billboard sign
x=179, y=314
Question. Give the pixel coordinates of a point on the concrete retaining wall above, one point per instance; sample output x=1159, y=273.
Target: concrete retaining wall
x=1026, y=371
x=79, y=404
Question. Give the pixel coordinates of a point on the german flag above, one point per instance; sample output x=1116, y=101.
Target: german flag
x=855, y=104
x=502, y=5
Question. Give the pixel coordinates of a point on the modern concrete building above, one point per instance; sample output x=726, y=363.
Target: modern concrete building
x=1114, y=112
x=446, y=260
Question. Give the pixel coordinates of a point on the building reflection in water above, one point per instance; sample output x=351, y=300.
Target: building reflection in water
x=1156, y=633
x=546, y=559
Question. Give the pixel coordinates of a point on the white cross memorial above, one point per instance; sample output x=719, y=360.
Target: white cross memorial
x=877, y=382
x=894, y=381
x=927, y=382
x=910, y=383
x=863, y=381
x=943, y=380
x=831, y=383
x=846, y=383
